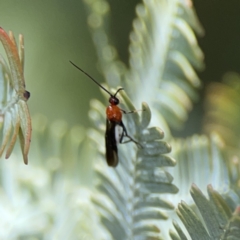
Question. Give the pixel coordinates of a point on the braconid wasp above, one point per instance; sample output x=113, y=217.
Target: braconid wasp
x=113, y=122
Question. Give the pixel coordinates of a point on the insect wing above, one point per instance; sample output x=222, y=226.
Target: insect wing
x=119, y=133
x=111, y=144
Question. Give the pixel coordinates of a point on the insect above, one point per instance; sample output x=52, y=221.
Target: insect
x=113, y=125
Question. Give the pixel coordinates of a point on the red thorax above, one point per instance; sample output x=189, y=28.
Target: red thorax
x=114, y=113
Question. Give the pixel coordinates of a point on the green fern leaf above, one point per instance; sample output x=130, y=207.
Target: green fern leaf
x=163, y=52
x=131, y=203
x=201, y=160
x=51, y=197
x=163, y=28
x=200, y=151
x=217, y=220
x=232, y=230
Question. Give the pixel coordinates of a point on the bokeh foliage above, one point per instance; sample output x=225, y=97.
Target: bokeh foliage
x=67, y=162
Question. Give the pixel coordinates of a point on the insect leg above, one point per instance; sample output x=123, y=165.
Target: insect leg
x=133, y=111
x=125, y=134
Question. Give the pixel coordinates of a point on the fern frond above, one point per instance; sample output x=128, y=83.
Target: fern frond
x=216, y=222
x=163, y=52
x=201, y=160
x=166, y=79
x=131, y=201
x=13, y=107
x=232, y=229
x=51, y=197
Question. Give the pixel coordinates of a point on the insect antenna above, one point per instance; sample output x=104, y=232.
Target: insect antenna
x=118, y=91
x=94, y=80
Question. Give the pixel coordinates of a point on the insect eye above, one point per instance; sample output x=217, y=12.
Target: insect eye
x=114, y=100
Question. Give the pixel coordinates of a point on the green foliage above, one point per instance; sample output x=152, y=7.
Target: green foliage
x=222, y=109
x=219, y=222
x=132, y=199
x=49, y=198
x=222, y=116
x=70, y=188
x=163, y=53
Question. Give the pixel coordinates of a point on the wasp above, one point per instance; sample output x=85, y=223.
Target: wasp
x=115, y=129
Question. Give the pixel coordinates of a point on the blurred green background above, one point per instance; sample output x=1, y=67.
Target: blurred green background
x=56, y=32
